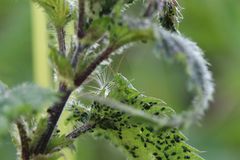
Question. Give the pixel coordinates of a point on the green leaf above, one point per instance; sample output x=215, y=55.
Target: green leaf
x=168, y=12
x=138, y=114
x=63, y=66
x=122, y=30
x=139, y=140
x=107, y=15
x=53, y=156
x=60, y=12
x=96, y=30
x=58, y=142
x=24, y=99
x=96, y=9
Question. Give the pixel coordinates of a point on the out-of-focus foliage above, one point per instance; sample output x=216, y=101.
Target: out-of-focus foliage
x=15, y=54
x=12, y=42
x=24, y=100
x=24, y=95
x=214, y=24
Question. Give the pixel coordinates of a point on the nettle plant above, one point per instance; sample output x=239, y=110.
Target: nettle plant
x=142, y=127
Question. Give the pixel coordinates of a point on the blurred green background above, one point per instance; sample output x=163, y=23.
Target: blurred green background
x=214, y=24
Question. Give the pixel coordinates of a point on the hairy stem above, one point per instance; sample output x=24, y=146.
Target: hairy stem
x=81, y=20
x=80, y=32
x=79, y=131
x=76, y=54
x=56, y=110
x=24, y=140
x=84, y=75
x=54, y=114
x=149, y=10
x=61, y=41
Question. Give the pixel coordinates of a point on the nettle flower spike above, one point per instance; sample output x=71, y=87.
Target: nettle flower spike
x=168, y=13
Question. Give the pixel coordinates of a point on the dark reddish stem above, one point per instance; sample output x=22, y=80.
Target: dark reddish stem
x=84, y=75
x=56, y=110
x=24, y=140
x=80, y=32
x=54, y=113
x=79, y=131
x=61, y=40
x=81, y=20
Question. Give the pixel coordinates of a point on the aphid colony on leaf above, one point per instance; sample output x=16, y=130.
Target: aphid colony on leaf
x=138, y=139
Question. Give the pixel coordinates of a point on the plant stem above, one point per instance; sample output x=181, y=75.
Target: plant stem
x=80, y=32
x=61, y=40
x=54, y=114
x=24, y=140
x=81, y=13
x=78, y=131
x=56, y=110
x=149, y=10
x=84, y=75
